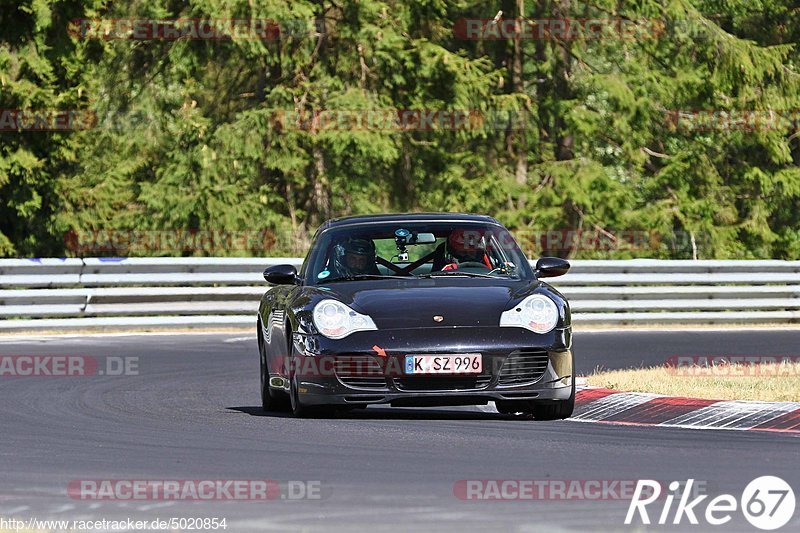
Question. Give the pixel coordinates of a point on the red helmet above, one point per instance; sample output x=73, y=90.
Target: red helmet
x=466, y=242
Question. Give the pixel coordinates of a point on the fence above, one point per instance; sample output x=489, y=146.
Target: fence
x=152, y=293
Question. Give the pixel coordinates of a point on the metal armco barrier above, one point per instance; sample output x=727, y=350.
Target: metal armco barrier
x=154, y=293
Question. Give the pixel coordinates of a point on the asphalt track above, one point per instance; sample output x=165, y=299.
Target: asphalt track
x=192, y=413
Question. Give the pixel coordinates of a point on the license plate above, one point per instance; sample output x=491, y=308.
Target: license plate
x=471, y=363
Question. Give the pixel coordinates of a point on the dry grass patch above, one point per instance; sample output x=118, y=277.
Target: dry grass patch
x=774, y=382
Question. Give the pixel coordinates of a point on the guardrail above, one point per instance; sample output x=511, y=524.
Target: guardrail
x=143, y=293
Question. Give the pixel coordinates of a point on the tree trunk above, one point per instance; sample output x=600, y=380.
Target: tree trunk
x=518, y=86
x=320, y=192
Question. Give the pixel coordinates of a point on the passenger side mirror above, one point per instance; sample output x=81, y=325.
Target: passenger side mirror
x=550, y=267
x=281, y=275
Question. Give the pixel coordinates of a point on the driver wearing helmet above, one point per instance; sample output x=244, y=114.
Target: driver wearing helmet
x=354, y=256
x=465, y=246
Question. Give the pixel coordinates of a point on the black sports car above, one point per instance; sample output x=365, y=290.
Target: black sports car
x=416, y=310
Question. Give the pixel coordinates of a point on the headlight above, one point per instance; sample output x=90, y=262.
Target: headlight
x=335, y=320
x=537, y=313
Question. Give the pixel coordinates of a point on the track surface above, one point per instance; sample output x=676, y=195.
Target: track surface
x=192, y=413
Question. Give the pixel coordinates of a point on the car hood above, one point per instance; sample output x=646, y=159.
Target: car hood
x=415, y=303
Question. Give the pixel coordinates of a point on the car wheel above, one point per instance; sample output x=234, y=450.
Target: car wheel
x=270, y=400
x=298, y=409
x=557, y=410
x=307, y=411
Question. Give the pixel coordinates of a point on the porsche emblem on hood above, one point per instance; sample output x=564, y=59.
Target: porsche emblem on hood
x=438, y=318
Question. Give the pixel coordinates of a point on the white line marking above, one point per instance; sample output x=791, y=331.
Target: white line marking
x=240, y=339
x=612, y=404
x=64, y=508
x=737, y=414
x=159, y=505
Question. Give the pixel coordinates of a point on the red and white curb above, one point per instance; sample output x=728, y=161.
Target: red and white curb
x=637, y=408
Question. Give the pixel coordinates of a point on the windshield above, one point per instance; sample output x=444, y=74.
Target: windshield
x=416, y=250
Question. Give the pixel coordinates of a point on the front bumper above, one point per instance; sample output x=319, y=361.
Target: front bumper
x=517, y=365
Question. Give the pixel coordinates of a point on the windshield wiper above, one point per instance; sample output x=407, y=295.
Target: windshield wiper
x=356, y=277
x=455, y=273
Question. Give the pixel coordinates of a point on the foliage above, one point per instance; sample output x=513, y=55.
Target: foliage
x=577, y=134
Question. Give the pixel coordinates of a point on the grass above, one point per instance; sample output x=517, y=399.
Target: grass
x=773, y=382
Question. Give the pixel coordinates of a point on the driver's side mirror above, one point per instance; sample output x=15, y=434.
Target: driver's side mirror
x=550, y=267
x=281, y=275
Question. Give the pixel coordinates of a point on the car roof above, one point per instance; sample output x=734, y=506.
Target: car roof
x=405, y=217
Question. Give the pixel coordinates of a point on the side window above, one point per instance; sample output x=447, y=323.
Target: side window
x=496, y=254
x=316, y=260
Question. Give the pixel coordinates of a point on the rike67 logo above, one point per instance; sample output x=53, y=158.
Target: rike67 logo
x=767, y=503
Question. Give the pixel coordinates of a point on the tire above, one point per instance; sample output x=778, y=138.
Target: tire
x=294, y=405
x=298, y=409
x=271, y=400
x=307, y=411
x=558, y=410
x=547, y=410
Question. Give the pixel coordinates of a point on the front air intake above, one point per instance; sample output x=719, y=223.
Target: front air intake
x=523, y=367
